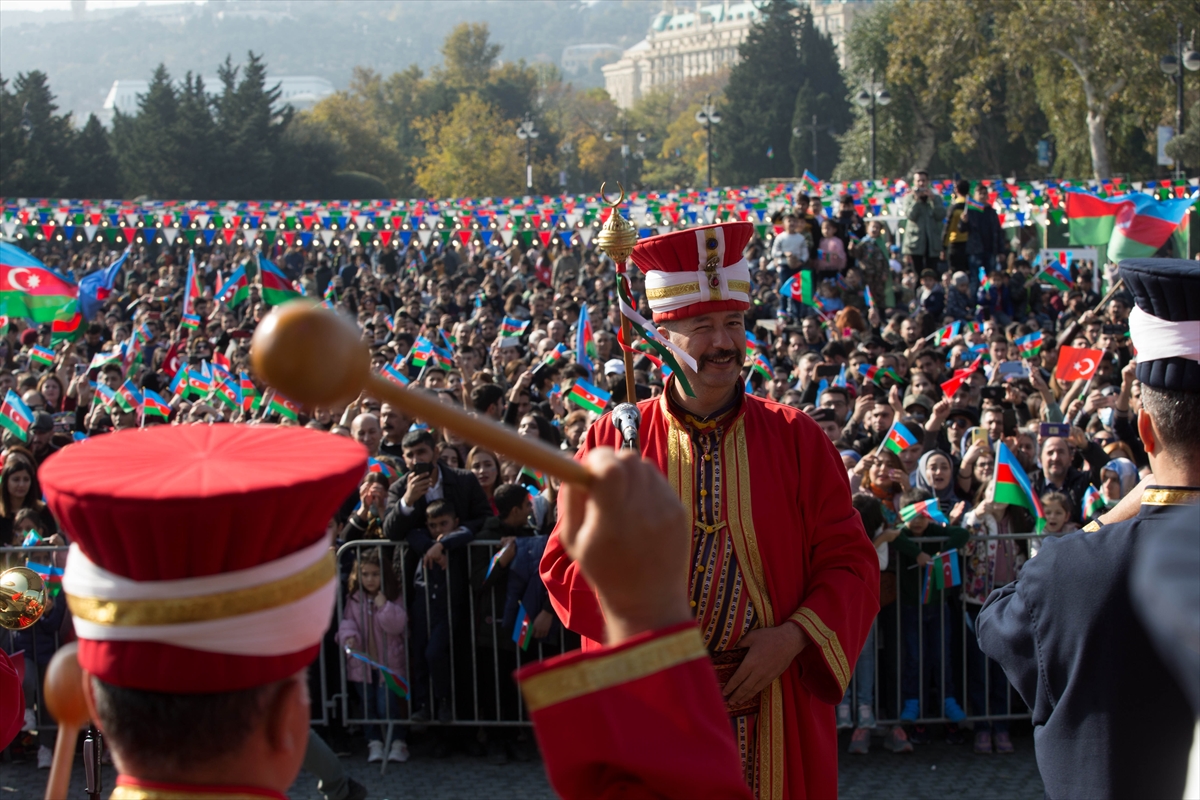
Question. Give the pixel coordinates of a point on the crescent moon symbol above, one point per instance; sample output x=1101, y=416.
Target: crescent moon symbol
x=1091, y=365
x=12, y=279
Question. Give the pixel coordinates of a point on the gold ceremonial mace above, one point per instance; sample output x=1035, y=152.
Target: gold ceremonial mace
x=616, y=240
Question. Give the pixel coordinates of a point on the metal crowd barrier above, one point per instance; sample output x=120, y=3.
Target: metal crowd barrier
x=481, y=662
x=889, y=630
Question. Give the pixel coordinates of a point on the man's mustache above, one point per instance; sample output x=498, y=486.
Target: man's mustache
x=703, y=361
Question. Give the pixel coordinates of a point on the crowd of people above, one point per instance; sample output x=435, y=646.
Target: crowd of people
x=923, y=332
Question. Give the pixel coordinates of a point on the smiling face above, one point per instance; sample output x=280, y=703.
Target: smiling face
x=718, y=343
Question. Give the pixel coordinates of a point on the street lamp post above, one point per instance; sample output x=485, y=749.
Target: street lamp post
x=1174, y=65
x=625, y=149
x=527, y=133
x=814, y=129
x=708, y=116
x=868, y=97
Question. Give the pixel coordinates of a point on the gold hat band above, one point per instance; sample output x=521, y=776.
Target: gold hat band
x=667, y=292
x=204, y=608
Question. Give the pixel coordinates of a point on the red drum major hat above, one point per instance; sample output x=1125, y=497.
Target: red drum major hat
x=199, y=559
x=696, y=271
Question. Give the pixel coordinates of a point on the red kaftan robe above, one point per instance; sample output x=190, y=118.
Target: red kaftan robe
x=800, y=554
x=644, y=719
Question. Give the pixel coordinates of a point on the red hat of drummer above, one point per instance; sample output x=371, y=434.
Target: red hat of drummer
x=199, y=559
x=696, y=271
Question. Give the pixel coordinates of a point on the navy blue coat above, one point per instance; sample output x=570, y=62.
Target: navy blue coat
x=1110, y=721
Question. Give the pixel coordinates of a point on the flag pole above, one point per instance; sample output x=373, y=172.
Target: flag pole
x=616, y=240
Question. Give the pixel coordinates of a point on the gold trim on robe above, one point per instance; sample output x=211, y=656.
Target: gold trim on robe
x=827, y=640
x=584, y=677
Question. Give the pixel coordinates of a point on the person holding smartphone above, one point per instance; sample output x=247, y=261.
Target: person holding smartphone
x=924, y=212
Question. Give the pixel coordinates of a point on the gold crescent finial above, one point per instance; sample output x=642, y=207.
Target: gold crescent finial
x=616, y=203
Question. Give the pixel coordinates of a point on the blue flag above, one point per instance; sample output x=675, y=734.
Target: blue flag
x=95, y=288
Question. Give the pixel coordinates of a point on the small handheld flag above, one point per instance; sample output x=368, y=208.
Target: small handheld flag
x=928, y=508
x=1011, y=485
x=585, y=395
x=1094, y=503
x=1029, y=346
x=898, y=439
x=522, y=631
x=16, y=416
x=392, y=680
x=513, y=327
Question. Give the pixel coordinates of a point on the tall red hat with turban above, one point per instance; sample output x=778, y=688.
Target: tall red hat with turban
x=199, y=559
x=696, y=271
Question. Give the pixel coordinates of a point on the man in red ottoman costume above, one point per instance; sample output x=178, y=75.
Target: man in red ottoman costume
x=201, y=581
x=783, y=581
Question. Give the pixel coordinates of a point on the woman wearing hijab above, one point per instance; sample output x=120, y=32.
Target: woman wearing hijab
x=1117, y=479
x=935, y=474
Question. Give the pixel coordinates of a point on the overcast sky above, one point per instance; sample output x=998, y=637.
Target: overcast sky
x=65, y=5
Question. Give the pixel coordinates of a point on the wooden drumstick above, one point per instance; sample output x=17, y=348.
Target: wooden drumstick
x=316, y=356
x=63, y=690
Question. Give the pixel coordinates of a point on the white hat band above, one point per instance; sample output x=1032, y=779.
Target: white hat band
x=1156, y=338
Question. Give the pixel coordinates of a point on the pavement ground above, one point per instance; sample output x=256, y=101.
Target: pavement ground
x=936, y=770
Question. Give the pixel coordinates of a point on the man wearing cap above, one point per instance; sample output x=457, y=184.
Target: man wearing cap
x=201, y=581
x=42, y=436
x=782, y=579
x=1110, y=719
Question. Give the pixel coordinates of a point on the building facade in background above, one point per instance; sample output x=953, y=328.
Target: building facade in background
x=691, y=39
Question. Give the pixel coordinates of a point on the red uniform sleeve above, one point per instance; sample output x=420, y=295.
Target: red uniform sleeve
x=641, y=720
x=843, y=582
x=12, y=701
x=572, y=597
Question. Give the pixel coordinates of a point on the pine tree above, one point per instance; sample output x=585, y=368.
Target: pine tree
x=44, y=152
x=12, y=140
x=94, y=171
x=822, y=95
x=196, y=137
x=147, y=150
x=249, y=128
x=753, y=138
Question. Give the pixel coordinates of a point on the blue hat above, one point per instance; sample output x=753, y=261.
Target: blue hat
x=1165, y=323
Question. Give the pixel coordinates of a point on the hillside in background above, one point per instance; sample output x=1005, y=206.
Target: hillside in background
x=326, y=38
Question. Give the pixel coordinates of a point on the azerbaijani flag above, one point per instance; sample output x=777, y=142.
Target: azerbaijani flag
x=1057, y=273
x=867, y=297
x=153, y=405
x=584, y=395
x=395, y=375
x=236, y=289
x=585, y=348
x=227, y=392
x=942, y=572
x=392, y=680
x=67, y=326
x=16, y=416
x=1144, y=224
x=898, y=438
x=1011, y=485
x=799, y=287
x=1029, y=346
x=873, y=373
x=41, y=355
x=556, y=355
x=421, y=351
x=513, y=327
x=375, y=465
x=128, y=397
x=190, y=322
x=974, y=205
x=191, y=288
x=284, y=407
x=1093, y=502
x=31, y=290
x=944, y=336
x=276, y=288
x=522, y=631
x=538, y=477
x=929, y=508
x=51, y=574
x=809, y=182
x=1090, y=219
x=762, y=366
x=249, y=392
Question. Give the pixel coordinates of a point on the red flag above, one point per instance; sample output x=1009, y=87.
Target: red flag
x=1077, y=363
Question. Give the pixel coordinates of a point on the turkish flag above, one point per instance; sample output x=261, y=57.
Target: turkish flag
x=1077, y=363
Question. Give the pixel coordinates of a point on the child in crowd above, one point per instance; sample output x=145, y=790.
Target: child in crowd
x=990, y=563
x=430, y=628
x=831, y=254
x=373, y=624
x=926, y=621
x=871, y=512
x=39, y=642
x=1057, y=508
